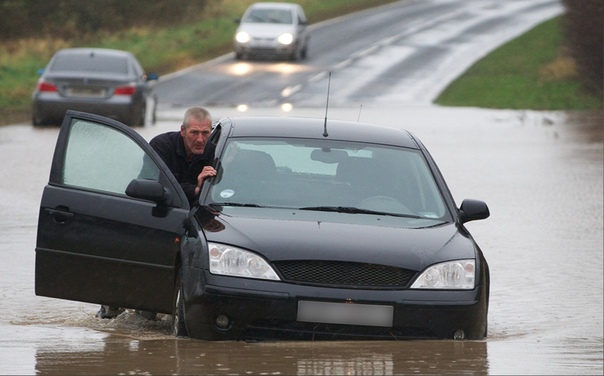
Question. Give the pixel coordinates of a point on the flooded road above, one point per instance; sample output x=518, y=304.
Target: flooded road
x=540, y=173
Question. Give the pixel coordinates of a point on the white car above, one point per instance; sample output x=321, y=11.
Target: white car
x=273, y=30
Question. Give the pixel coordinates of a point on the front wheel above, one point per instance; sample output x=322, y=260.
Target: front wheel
x=179, y=328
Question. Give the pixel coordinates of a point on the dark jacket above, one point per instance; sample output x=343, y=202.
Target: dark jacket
x=171, y=148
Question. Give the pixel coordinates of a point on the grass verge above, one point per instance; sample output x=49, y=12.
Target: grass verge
x=530, y=72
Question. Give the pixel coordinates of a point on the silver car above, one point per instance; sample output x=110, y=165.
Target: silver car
x=273, y=30
x=106, y=82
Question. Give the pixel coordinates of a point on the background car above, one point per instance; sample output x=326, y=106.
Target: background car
x=107, y=82
x=273, y=30
x=310, y=230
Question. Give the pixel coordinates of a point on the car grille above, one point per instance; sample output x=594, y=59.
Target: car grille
x=344, y=274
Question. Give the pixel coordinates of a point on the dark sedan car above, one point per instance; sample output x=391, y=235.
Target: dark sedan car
x=106, y=82
x=310, y=230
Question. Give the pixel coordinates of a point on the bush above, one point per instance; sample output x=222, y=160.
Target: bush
x=583, y=28
x=69, y=19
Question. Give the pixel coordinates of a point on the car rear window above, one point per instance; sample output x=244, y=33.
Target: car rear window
x=90, y=63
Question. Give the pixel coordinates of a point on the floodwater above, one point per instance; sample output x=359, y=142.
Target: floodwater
x=540, y=173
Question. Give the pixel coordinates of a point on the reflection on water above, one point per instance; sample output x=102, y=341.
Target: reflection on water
x=124, y=355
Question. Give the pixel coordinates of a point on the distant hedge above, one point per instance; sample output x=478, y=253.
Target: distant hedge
x=584, y=31
x=71, y=18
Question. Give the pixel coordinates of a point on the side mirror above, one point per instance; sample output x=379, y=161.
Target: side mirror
x=150, y=190
x=237, y=20
x=472, y=210
x=152, y=76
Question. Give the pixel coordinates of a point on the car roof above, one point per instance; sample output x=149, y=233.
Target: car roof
x=294, y=127
x=273, y=5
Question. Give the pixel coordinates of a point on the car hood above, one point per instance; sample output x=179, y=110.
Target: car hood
x=281, y=234
x=261, y=30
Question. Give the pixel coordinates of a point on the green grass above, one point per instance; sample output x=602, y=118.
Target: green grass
x=530, y=72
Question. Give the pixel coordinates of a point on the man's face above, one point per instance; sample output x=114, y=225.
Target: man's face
x=196, y=136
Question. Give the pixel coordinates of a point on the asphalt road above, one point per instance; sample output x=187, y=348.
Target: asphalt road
x=406, y=52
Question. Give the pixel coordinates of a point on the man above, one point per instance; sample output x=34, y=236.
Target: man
x=189, y=155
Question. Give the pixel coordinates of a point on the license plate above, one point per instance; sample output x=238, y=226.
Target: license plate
x=85, y=92
x=344, y=313
x=263, y=43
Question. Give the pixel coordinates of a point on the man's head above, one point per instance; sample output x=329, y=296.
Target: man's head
x=195, y=130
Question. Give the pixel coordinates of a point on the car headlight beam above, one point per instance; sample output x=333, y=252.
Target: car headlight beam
x=236, y=262
x=451, y=275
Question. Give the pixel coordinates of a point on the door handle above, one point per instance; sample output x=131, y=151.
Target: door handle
x=59, y=215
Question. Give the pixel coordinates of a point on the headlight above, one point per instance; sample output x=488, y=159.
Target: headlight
x=242, y=37
x=452, y=275
x=235, y=262
x=286, y=38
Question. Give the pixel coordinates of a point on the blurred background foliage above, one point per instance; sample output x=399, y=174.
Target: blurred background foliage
x=71, y=19
x=584, y=30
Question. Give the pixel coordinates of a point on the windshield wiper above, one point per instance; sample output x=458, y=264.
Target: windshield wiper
x=355, y=210
x=243, y=205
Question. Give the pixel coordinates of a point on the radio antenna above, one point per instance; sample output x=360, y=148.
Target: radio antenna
x=360, y=109
x=326, y=107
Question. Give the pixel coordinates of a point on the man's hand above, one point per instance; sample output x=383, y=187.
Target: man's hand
x=206, y=172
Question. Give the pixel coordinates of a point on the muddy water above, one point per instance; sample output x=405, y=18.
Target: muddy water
x=540, y=173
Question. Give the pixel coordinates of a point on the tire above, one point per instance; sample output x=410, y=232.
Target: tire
x=142, y=116
x=294, y=55
x=154, y=113
x=179, y=328
x=304, y=52
x=137, y=117
x=37, y=120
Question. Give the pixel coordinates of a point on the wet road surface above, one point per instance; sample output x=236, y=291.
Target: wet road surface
x=540, y=173
x=404, y=52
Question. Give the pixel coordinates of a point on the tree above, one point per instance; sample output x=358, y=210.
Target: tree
x=583, y=26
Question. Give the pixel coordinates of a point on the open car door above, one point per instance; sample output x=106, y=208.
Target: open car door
x=110, y=219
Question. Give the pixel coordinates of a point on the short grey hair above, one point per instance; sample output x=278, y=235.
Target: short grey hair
x=198, y=113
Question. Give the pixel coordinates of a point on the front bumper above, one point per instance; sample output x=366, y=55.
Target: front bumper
x=257, y=310
x=274, y=49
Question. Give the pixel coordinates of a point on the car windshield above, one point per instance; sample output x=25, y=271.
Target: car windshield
x=279, y=16
x=327, y=175
x=90, y=63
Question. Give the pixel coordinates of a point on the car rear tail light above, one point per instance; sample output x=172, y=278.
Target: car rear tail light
x=47, y=87
x=124, y=90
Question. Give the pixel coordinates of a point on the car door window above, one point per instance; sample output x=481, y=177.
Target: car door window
x=103, y=159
